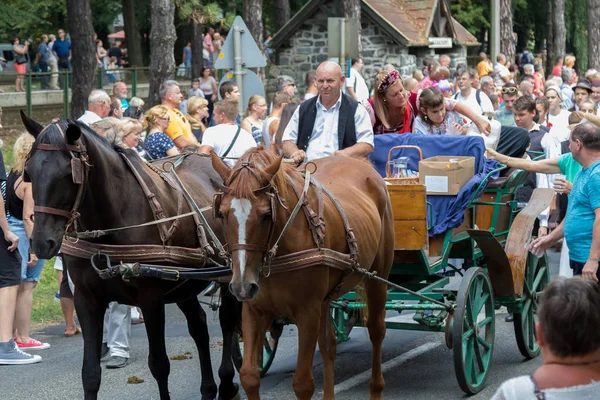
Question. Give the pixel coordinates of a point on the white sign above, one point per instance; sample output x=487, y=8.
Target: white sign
x=440, y=43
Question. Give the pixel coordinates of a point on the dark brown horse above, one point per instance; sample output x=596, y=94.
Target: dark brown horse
x=248, y=210
x=113, y=198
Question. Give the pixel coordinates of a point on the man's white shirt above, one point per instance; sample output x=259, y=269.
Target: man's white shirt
x=220, y=137
x=471, y=101
x=324, y=138
x=89, y=117
x=358, y=84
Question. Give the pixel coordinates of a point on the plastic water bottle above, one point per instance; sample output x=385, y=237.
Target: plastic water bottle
x=491, y=140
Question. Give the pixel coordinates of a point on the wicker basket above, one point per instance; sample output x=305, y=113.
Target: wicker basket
x=401, y=181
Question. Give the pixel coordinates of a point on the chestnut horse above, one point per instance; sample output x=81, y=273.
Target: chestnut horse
x=248, y=209
x=113, y=198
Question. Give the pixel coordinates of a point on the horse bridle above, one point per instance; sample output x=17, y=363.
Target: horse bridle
x=79, y=169
x=271, y=191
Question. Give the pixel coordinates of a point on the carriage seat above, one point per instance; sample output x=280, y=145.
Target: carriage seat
x=504, y=178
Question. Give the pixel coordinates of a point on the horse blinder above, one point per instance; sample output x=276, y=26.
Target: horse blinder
x=217, y=199
x=77, y=171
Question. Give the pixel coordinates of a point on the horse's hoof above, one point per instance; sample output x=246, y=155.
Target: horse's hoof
x=237, y=395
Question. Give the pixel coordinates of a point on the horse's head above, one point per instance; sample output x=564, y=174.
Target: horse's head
x=56, y=173
x=248, y=207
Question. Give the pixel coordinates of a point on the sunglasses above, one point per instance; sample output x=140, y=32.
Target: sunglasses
x=509, y=90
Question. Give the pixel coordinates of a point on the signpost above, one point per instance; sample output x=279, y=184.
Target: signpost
x=440, y=43
x=342, y=37
x=239, y=52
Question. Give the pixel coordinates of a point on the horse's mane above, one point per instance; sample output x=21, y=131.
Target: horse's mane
x=259, y=159
x=52, y=135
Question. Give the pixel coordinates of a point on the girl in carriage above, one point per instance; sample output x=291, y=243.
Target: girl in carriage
x=435, y=117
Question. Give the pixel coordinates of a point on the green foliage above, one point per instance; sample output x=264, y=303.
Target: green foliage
x=45, y=309
x=30, y=18
x=576, y=25
x=474, y=15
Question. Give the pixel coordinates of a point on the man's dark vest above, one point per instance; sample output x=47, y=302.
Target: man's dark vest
x=346, y=126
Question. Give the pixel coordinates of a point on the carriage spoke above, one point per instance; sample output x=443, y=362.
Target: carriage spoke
x=484, y=322
x=484, y=343
x=531, y=328
x=478, y=358
x=538, y=279
x=467, y=335
x=526, y=307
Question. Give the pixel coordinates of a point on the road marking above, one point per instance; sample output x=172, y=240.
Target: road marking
x=386, y=366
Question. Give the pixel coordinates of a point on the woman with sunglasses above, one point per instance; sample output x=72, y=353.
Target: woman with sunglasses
x=392, y=110
x=158, y=144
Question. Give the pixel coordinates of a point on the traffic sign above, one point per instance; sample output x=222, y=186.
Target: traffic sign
x=251, y=85
x=251, y=55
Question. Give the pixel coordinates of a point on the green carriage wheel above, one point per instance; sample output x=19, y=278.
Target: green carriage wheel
x=343, y=322
x=536, y=279
x=268, y=350
x=473, y=330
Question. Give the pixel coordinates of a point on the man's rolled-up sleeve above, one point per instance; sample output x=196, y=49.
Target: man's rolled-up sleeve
x=291, y=130
x=362, y=123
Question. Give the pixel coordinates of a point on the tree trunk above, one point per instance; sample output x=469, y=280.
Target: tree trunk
x=351, y=10
x=83, y=58
x=559, y=29
x=593, y=9
x=197, y=46
x=132, y=35
x=282, y=13
x=162, y=44
x=507, y=40
x=253, y=20
x=550, y=39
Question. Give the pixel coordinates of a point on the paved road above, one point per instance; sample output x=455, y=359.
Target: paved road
x=418, y=365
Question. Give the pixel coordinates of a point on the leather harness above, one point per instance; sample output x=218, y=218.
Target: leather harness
x=74, y=246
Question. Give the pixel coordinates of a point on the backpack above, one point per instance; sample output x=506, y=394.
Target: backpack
x=477, y=96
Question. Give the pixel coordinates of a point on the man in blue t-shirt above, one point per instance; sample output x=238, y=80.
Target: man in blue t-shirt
x=62, y=51
x=581, y=226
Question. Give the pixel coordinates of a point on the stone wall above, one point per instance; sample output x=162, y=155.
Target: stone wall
x=308, y=48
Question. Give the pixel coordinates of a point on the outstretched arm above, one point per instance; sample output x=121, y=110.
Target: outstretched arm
x=546, y=166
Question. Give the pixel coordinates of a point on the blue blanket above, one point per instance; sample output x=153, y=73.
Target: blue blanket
x=448, y=211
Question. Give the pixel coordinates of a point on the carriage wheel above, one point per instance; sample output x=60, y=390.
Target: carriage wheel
x=343, y=322
x=473, y=330
x=536, y=280
x=268, y=350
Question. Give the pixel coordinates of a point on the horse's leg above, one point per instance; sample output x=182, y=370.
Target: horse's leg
x=327, y=347
x=308, y=331
x=254, y=327
x=153, y=307
x=229, y=317
x=90, y=311
x=376, y=298
x=196, y=320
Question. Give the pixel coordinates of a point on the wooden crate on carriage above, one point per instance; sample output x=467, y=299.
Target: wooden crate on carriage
x=409, y=207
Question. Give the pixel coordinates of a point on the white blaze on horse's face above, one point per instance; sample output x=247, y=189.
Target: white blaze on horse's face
x=241, y=210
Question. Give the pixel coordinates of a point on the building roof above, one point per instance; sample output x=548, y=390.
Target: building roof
x=408, y=22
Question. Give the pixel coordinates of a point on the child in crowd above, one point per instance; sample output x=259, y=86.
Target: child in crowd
x=588, y=107
x=495, y=101
x=542, y=106
x=433, y=119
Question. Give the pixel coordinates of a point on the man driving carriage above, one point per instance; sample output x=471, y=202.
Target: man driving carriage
x=331, y=123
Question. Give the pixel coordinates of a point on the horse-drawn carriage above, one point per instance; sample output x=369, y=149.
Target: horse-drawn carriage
x=496, y=267
x=414, y=244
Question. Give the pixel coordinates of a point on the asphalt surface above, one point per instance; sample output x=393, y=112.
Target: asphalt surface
x=417, y=365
